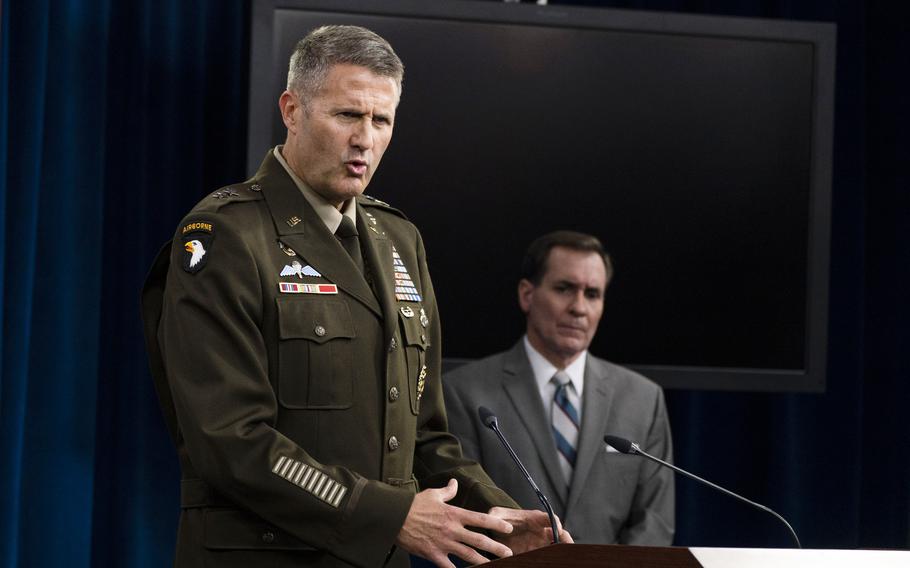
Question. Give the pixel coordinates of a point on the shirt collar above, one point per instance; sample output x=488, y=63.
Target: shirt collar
x=326, y=211
x=544, y=370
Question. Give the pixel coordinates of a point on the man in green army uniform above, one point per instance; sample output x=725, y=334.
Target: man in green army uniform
x=294, y=338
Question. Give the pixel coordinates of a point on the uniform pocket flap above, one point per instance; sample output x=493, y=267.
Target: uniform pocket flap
x=316, y=320
x=232, y=529
x=414, y=333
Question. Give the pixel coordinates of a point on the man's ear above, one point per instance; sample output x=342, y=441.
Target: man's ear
x=289, y=103
x=525, y=293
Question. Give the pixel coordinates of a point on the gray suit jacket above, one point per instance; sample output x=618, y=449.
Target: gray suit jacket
x=614, y=498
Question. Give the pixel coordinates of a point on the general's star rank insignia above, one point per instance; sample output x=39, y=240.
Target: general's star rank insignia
x=197, y=245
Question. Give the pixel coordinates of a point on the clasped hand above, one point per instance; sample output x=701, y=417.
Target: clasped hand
x=433, y=529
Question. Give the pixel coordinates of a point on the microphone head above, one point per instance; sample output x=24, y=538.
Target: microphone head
x=486, y=417
x=620, y=444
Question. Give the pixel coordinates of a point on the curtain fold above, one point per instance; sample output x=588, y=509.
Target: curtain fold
x=114, y=122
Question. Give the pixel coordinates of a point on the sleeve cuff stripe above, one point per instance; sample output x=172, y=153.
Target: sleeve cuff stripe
x=310, y=480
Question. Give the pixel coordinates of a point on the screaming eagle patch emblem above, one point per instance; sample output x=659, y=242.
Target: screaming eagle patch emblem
x=197, y=245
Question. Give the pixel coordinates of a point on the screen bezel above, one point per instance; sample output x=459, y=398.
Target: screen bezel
x=822, y=36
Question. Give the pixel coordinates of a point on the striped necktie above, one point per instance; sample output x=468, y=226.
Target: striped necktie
x=565, y=420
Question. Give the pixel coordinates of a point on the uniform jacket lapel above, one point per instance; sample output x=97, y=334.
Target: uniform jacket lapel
x=300, y=228
x=518, y=381
x=597, y=399
x=377, y=250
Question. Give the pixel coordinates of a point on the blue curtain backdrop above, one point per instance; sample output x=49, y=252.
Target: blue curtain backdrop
x=115, y=117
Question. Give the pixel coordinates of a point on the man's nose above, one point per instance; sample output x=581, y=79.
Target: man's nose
x=362, y=137
x=579, y=305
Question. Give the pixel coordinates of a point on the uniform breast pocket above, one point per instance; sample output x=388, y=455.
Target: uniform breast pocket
x=315, y=354
x=416, y=344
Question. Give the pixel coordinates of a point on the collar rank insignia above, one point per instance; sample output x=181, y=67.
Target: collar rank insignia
x=424, y=320
x=372, y=223
x=295, y=268
x=286, y=249
x=405, y=291
x=197, y=244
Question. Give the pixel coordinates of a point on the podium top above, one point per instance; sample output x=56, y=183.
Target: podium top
x=794, y=558
x=619, y=556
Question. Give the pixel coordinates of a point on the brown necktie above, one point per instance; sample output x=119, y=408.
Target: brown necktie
x=346, y=233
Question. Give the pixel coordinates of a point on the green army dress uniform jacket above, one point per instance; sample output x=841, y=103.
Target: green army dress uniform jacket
x=304, y=397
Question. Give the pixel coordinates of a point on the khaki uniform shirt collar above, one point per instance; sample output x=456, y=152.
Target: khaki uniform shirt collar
x=329, y=214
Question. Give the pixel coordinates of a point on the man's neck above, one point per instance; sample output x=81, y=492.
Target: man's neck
x=555, y=359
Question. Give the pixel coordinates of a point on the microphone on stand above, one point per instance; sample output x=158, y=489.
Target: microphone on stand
x=626, y=447
x=489, y=420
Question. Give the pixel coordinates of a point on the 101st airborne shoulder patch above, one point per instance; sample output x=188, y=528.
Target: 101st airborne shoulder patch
x=197, y=240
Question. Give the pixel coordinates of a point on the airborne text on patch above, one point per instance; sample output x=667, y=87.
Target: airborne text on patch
x=207, y=227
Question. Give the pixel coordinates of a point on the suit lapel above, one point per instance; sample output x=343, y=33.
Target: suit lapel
x=597, y=399
x=522, y=390
x=300, y=228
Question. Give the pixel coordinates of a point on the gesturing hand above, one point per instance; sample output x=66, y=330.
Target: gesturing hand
x=433, y=529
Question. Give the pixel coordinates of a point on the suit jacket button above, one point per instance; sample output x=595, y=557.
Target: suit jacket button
x=394, y=394
x=319, y=330
x=268, y=537
x=393, y=443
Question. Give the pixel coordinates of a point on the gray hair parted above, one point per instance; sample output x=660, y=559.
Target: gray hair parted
x=326, y=46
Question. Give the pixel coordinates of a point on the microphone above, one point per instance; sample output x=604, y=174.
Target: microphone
x=489, y=420
x=626, y=447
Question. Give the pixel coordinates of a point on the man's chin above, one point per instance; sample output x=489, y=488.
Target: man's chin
x=570, y=350
x=342, y=193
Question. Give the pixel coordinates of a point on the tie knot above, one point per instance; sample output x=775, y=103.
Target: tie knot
x=561, y=379
x=346, y=228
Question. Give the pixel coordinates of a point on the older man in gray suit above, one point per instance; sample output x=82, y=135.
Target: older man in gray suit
x=555, y=403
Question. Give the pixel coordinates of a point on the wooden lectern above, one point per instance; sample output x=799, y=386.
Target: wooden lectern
x=603, y=556
x=619, y=556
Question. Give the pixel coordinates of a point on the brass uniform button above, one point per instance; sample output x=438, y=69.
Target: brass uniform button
x=394, y=394
x=393, y=443
x=268, y=537
x=319, y=330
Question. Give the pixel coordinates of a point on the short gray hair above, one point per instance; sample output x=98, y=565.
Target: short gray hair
x=326, y=46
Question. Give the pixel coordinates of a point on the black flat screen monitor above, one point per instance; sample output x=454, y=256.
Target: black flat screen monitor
x=697, y=148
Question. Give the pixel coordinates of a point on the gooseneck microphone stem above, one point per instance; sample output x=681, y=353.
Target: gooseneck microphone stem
x=489, y=420
x=627, y=447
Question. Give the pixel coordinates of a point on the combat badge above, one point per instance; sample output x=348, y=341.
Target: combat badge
x=297, y=269
x=197, y=245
